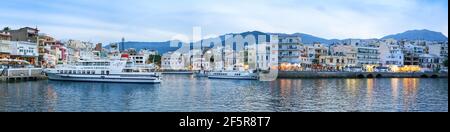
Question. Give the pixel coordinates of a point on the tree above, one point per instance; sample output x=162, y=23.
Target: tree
x=6, y=29
x=155, y=59
x=446, y=62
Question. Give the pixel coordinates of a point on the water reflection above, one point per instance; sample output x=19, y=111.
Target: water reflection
x=186, y=93
x=410, y=88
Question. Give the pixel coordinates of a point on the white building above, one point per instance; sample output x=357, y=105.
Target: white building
x=23, y=48
x=368, y=55
x=138, y=59
x=430, y=62
x=173, y=61
x=349, y=53
x=440, y=49
x=5, y=49
x=291, y=53
x=266, y=56
x=314, y=52
x=391, y=54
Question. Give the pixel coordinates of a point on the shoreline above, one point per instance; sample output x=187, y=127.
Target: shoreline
x=295, y=75
x=310, y=74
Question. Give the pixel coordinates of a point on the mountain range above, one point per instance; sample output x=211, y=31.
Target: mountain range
x=418, y=35
x=163, y=47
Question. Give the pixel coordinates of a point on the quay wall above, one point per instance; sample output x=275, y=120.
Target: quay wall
x=24, y=74
x=308, y=74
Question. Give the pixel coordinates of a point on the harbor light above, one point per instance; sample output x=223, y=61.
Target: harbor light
x=246, y=67
x=370, y=68
x=410, y=68
x=394, y=68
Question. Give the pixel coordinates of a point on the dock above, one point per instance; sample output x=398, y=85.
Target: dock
x=22, y=74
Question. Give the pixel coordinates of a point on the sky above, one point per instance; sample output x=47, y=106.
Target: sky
x=160, y=20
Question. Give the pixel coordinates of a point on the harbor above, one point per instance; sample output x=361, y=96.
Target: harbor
x=185, y=93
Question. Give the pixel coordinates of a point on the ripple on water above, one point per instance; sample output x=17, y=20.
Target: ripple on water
x=185, y=93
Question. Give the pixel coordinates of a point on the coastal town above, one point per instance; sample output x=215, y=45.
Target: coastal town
x=202, y=57
x=40, y=50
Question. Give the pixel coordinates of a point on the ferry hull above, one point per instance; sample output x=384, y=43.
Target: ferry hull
x=233, y=77
x=60, y=77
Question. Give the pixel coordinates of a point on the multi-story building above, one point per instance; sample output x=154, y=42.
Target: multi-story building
x=430, y=62
x=78, y=50
x=138, y=59
x=266, y=56
x=368, y=55
x=314, y=53
x=98, y=47
x=5, y=35
x=25, y=34
x=45, y=42
x=339, y=58
x=412, y=54
x=5, y=49
x=60, y=52
x=391, y=54
x=173, y=61
x=27, y=51
x=438, y=48
x=444, y=50
x=335, y=61
x=200, y=59
x=290, y=53
x=5, y=45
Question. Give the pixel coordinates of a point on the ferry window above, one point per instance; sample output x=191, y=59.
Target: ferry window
x=70, y=72
x=103, y=72
x=93, y=72
x=84, y=72
x=88, y=72
x=107, y=72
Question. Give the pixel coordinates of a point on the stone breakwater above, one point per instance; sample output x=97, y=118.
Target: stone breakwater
x=308, y=74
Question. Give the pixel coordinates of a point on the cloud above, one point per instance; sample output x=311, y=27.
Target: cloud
x=143, y=20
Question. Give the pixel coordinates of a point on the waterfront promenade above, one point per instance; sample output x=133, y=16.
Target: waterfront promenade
x=311, y=74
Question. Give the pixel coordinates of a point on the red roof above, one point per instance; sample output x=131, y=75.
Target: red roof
x=125, y=56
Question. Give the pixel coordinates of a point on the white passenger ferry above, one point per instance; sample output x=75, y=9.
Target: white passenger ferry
x=104, y=71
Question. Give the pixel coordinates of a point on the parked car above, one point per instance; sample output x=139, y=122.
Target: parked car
x=353, y=69
x=382, y=69
x=444, y=70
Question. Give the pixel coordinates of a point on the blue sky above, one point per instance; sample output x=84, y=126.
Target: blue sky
x=159, y=20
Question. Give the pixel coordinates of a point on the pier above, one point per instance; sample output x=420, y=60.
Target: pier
x=22, y=74
x=310, y=74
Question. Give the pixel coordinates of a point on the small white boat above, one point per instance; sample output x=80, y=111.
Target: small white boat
x=238, y=75
x=202, y=73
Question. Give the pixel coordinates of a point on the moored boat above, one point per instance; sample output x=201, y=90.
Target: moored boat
x=103, y=71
